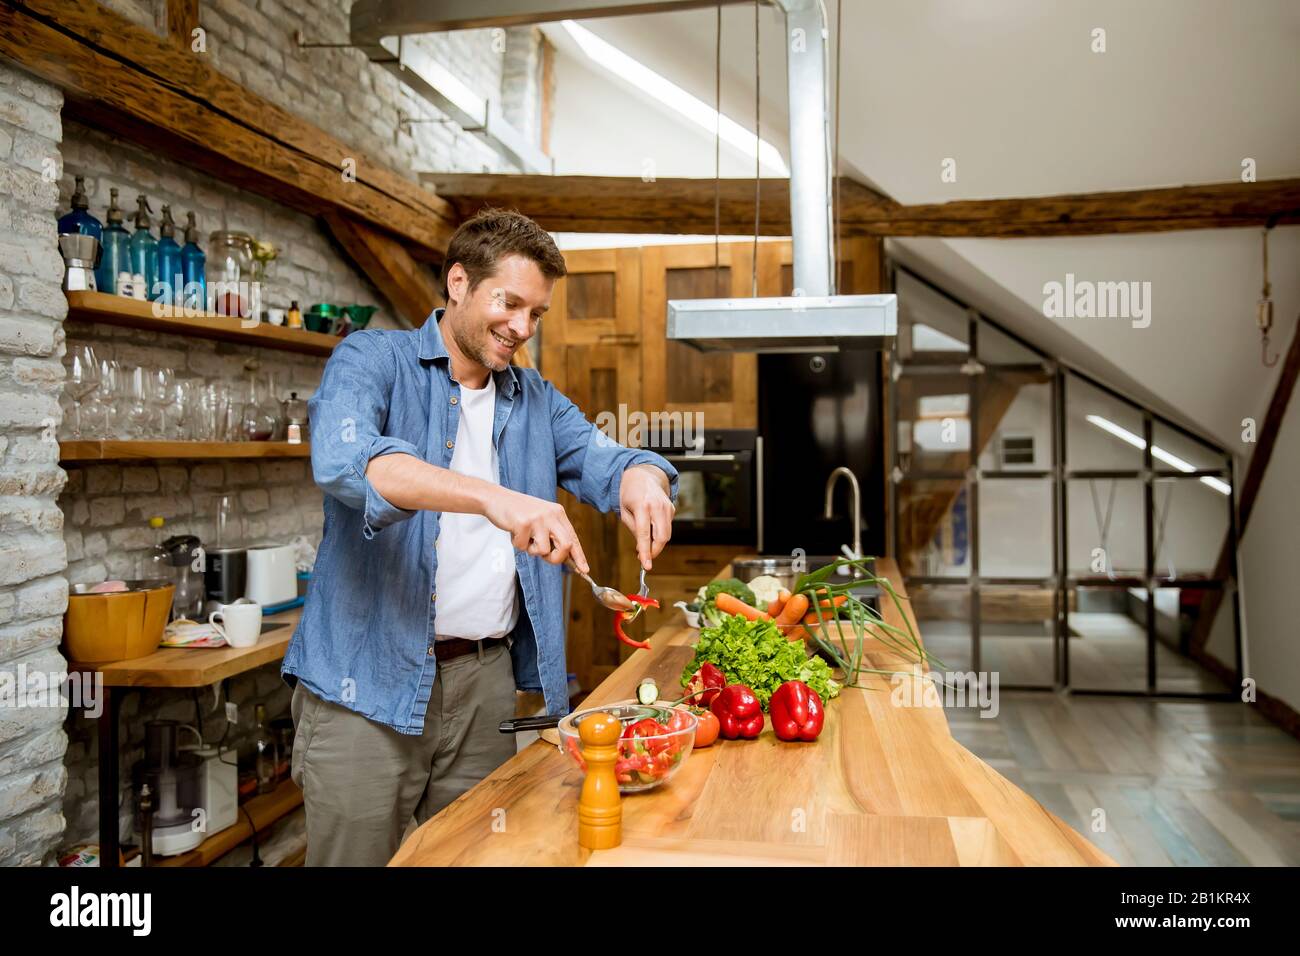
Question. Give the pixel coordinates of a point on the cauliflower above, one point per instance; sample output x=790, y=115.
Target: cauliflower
x=765, y=588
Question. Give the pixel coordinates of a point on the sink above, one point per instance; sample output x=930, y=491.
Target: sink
x=781, y=567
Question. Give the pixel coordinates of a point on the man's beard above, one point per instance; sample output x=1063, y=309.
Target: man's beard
x=477, y=350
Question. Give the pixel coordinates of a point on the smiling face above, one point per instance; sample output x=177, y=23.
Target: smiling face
x=501, y=313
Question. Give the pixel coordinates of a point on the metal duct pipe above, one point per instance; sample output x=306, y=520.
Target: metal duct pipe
x=811, y=219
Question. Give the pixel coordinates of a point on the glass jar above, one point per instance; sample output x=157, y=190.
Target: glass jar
x=230, y=274
x=261, y=411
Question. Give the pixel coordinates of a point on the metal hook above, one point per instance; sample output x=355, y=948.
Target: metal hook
x=1263, y=354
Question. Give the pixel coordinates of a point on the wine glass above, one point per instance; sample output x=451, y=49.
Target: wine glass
x=158, y=389
x=83, y=379
x=113, y=391
x=136, y=415
x=183, y=393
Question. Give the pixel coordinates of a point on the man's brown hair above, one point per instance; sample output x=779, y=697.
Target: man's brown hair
x=491, y=234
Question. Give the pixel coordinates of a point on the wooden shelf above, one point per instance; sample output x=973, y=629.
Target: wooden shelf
x=151, y=450
x=197, y=666
x=265, y=809
x=135, y=314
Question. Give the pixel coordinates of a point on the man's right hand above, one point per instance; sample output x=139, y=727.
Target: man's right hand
x=538, y=527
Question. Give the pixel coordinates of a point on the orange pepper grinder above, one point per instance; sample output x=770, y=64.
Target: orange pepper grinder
x=600, y=807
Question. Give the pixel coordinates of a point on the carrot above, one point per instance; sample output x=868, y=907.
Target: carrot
x=777, y=604
x=822, y=595
x=794, y=610
x=827, y=609
x=730, y=604
x=798, y=634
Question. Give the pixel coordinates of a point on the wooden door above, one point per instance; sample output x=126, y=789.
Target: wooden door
x=598, y=302
x=676, y=377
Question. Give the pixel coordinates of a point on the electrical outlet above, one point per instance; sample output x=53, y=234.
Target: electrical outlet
x=232, y=712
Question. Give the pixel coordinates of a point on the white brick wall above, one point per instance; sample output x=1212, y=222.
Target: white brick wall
x=33, y=589
x=95, y=527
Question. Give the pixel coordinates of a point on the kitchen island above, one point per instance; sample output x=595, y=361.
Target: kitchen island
x=884, y=784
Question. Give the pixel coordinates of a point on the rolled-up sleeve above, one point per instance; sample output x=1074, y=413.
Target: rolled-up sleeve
x=590, y=464
x=347, y=415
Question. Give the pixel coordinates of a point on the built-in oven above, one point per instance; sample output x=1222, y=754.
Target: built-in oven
x=716, y=497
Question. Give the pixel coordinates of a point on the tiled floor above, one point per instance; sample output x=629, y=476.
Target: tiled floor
x=1180, y=783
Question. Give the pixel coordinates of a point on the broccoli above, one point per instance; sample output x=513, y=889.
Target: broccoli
x=736, y=588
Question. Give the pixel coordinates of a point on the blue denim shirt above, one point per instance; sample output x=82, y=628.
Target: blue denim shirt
x=366, y=635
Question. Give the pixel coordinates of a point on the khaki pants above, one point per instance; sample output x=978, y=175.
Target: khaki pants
x=362, y=781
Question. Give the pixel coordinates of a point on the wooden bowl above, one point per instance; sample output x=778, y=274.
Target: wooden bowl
x=118, y=625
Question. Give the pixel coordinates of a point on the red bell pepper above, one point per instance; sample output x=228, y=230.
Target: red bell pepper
x=648, y=727
x=738, y=711
x=796, y=711
x=621, y=616
x=705, y=683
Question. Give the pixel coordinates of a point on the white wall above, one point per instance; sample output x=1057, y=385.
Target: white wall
x=1271, y=555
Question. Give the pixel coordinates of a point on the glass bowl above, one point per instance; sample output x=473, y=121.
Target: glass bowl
x=645, y=760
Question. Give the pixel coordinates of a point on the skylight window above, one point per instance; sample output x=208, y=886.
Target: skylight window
x=674, y=97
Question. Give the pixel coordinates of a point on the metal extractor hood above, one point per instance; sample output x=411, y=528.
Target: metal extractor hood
x=815, y=319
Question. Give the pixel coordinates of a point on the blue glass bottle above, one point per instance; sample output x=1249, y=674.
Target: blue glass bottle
x=79, y=220
x=170, y=279
x=144, y=247
x=115, y=254
x=193, y=264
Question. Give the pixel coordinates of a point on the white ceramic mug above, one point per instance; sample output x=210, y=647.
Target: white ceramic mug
x=242, y=620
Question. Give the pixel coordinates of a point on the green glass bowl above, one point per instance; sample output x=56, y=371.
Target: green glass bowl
x=359, y=315
x=321, y=317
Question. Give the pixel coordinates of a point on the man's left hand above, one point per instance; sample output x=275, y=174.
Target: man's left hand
x=647, y=510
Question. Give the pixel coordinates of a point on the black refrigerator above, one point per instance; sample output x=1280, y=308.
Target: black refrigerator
x=817, y=412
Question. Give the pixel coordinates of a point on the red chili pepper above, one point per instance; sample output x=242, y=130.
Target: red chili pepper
x=796, y=711
x=738, y=711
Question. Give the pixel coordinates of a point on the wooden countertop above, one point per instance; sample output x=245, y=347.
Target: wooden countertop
x=198, y=666
x=883, y=785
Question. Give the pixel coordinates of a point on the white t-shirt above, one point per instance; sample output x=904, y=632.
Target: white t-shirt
x=475, y=581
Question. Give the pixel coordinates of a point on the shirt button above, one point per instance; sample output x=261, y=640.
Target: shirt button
x=451, y=444
x=454, y=399
x=430, y=650
x=433, y=596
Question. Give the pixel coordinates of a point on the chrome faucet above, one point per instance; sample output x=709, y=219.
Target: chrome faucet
x=857, y=505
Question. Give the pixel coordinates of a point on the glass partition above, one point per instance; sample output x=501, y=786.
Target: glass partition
x=1036, y=530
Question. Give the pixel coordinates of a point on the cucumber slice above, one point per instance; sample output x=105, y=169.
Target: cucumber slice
x=647, y=692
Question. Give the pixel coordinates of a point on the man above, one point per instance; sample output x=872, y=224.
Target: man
x=437, y=586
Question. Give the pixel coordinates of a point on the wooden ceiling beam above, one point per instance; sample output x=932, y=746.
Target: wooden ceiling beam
x=182, y=19
x=1248, y=490
x=409, y=286
x=157, y=93
x=617, y=204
